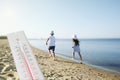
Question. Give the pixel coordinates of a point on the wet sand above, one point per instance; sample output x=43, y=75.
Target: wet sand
x=59, y=69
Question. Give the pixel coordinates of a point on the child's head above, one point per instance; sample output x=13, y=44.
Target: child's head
x=52, y=33
x=74, y=36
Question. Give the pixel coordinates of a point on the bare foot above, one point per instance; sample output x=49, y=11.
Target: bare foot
x=80, y=62
x=50, y=55
x=54, y=59
x=73, y=58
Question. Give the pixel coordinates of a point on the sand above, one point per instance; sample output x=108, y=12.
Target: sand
x=7, y=66
x=59, y=69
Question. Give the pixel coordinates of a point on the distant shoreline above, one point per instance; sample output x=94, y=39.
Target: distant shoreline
x=3, y=37
x=78, y=38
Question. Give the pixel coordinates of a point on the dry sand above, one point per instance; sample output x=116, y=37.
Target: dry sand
x=60, y=69
x=7, y=67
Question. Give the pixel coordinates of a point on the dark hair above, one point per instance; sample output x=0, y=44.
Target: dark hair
x=76, y=42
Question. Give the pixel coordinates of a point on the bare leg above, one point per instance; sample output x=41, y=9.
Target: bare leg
x=50, y=53
x=53, y=55
x=80, y=57
x=73, y=55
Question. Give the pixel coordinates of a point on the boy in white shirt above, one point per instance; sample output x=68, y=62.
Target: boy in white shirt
x=51, y=44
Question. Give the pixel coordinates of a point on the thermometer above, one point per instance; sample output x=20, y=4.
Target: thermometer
x=26, y=64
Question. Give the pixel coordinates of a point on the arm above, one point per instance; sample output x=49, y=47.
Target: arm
x=47, y=41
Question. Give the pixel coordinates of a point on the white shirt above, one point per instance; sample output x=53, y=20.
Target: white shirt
x=51, y=41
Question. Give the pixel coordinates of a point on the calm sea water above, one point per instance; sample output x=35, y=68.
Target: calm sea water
x=104, y=53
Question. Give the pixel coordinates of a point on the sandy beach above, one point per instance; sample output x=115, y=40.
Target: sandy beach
x=59, y=69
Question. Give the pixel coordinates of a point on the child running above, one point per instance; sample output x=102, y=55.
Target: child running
x=51, y=44
x=76, y=48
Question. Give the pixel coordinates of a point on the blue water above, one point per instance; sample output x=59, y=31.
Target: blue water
x=103, y=53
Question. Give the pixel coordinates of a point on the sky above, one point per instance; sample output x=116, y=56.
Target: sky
x=37, y=18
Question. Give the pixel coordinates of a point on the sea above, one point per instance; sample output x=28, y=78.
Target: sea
x=101, y=53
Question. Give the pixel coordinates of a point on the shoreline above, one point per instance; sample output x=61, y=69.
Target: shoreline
x=98, y=74
x=60, y=69
x=102, y=57
x=99, y=67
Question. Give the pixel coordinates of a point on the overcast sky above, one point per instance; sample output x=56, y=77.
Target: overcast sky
x=86, y=18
